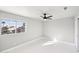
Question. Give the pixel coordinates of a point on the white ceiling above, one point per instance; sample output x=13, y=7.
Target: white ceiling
x=36, y=11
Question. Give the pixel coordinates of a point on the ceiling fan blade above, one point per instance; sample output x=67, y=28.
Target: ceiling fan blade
x=42, y=16
x=50, y=16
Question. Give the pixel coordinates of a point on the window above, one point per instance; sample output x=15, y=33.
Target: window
x=11, y=26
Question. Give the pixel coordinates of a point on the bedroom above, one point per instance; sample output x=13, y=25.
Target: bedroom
x=41, y=34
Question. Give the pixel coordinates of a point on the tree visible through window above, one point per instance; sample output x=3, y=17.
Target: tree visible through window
x=11, y=26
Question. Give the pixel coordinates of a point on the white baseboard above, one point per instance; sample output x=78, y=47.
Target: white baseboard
x=68, y=43
x=35, y=39
x=20, y=45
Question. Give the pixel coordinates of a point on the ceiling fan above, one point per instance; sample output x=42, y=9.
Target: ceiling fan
x=46, y=17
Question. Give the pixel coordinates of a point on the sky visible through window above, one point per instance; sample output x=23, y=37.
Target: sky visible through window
x=11, y=23
x=9, y=26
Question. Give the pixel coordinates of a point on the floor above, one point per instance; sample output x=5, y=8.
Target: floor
x=44, y=46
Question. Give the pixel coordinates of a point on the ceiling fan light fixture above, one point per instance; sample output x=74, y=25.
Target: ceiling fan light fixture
x=46, y=16
x=45, y=19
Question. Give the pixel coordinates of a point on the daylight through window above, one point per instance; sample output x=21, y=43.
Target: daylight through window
x=11, y=26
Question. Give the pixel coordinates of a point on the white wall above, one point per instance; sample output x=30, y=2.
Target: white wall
x=77, y=32
x=61, y=29
x=33, y=30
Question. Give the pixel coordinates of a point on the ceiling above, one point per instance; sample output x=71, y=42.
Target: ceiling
x=36, y=11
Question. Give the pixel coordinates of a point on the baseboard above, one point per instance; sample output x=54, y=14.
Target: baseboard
x=68, y=43
x=20, y=45
x=35, y=39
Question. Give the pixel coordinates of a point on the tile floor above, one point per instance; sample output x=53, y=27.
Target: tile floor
x=44, y=46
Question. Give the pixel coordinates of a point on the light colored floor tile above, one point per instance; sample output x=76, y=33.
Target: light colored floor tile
x=40, y=47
